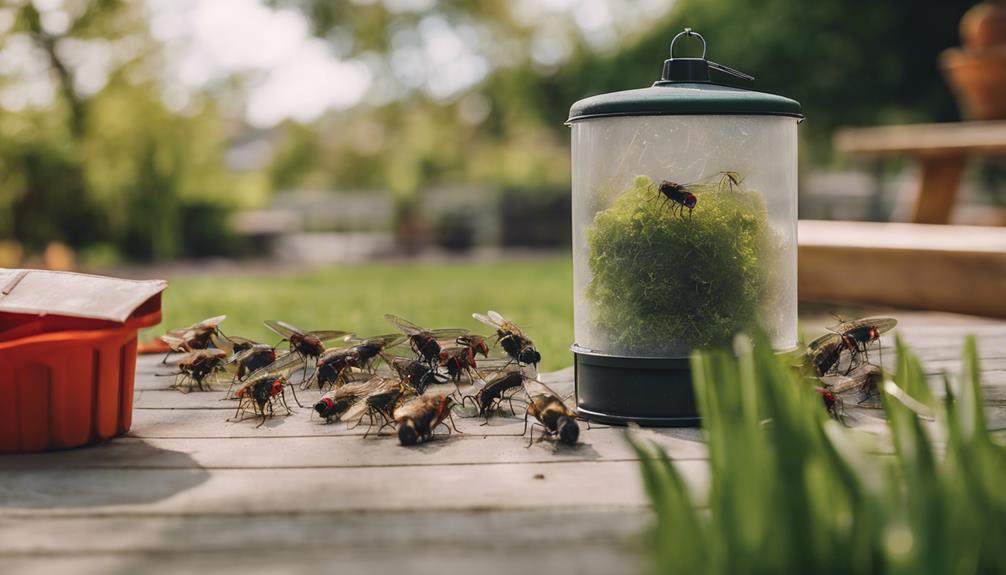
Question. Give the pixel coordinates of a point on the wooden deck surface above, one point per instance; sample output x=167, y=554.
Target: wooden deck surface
x=187, y=490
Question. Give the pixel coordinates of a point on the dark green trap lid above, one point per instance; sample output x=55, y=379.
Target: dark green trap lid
x=685, y=87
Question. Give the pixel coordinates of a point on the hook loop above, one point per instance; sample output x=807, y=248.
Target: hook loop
x=689, y=32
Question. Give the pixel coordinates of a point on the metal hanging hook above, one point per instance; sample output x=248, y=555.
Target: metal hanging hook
x=689, y=32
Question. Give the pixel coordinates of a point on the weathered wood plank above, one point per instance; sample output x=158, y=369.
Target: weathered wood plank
x=180, y=423
x=337, y=532
x=952, y=268
x=190, y=491
x=470, y=552
x=956, y=138
x=194, y=491
x=349, y=452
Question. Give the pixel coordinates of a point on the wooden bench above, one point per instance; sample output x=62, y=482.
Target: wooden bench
x=942, y=149
x=948, y=268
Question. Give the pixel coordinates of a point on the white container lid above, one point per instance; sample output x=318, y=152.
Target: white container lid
x=42, y=292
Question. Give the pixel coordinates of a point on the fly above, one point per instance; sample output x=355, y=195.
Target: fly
x=419, y=418
x=682, y=196
x=196, y=367
x=425, y=342
x=334, y=404
x=378, y=404
x=194, y=337
x=262, y=394
x=854, y=337
x=554, y=417
x=492, y=395
x=305, y=345
x=510, y=337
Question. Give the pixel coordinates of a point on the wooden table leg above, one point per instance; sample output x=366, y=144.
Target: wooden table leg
x=938, y=189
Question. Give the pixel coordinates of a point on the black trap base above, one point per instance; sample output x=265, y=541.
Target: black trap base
x=646, y=391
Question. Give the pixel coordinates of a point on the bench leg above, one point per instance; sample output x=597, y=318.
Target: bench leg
x=937, y=190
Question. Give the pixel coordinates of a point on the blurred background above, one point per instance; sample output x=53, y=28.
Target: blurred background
x=182, y=138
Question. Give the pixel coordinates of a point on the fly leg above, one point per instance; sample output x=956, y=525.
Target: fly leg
x=464, y=401
x=358, y=421
x=384, y=423
x=261, y=423
x=241, y=402
x=370, y=414
x=450, y=417
x=531, y=439
x=294, y=392
x=230, y=388
x=282, y=399
x=478, y=373
x=587, y=421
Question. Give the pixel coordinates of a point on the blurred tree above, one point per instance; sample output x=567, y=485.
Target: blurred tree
x=464, y=91
x=847, y=61
x=106, y=163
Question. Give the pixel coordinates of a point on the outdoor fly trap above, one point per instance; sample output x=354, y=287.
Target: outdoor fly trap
x=684, y=233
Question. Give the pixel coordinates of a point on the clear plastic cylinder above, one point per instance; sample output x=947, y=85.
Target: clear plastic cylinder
x=657, y=277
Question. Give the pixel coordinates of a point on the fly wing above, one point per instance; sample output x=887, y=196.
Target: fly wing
x=252, y=380
x=242, y=355
x=180, y=331
x=331, y=334
x=497, y=317
x=383, y=341
x=504, y=323
x=211, y=322
x=375, y=386
x=822, y=342
x=282, y=328
x=415, y=408
x=449, y=333
x=404, y=325
x=533, y=386
x=839, y=383
x=214, y=353
x=175, y=342
x=241, y=340
x=188, y=358
x=487, y=320
x=493, y=364
x=720, y=181
x=284, y=364
x=230, y=343
x=883, y=324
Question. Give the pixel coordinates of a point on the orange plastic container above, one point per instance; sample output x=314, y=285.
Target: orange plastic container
x=67, y=381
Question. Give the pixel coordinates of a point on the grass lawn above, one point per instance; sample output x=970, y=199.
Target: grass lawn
x=536, y=294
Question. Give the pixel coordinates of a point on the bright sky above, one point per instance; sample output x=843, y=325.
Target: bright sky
x=291, y=74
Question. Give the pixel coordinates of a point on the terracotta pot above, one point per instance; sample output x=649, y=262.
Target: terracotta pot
x=978, y=80
x=984, y=26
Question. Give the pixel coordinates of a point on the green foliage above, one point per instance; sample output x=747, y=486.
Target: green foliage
x=851, y=62
x=114, y=168
x=793, y=491
x=533, y=293
x=663, y=282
